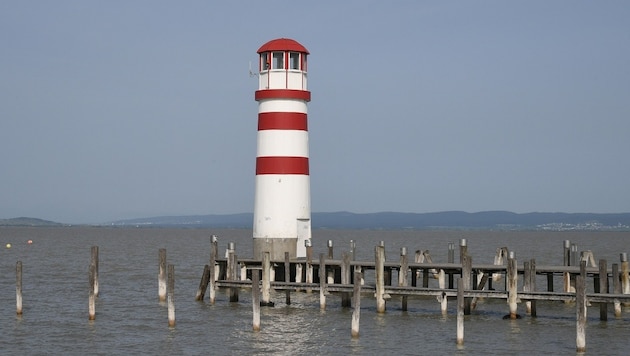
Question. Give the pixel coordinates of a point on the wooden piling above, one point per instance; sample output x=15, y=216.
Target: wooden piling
x=162, y=275
x=466, y=279
x=345, y=279
x=625, y=275
x=92, y=294
x=379, y=255
x=331, y=272
x=256, y=299
x=532, y=286
x=299, y=270
x=322, y=281
x=580, y=306
x=512, y=279
x=451, y=259
x=170, y=295
x=203, y=284
x=266, y=280
x=18, y=287
x=231, y=272
x=287, y=277
x=566, y=260
x=603, y=289
x=94, y=258
x=309, y=264
x=356, y=297
x=213, y=272
x=566, y=276
x=443, y=299
x=460, y=312
x=353, y=250
x=616, y=288
x=402, y=275
x=463, y=249
x=527, y=280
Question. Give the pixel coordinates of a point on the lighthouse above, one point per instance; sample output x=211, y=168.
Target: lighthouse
x=282, y=201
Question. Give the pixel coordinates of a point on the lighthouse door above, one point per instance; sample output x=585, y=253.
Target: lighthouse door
x=303, y=234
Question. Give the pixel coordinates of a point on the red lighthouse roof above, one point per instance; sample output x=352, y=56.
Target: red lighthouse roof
x=282, y=44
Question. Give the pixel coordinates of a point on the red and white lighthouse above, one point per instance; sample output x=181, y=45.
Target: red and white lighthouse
x=282, y=202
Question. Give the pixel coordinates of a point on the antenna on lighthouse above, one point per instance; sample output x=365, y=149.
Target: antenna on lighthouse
x=251, y=73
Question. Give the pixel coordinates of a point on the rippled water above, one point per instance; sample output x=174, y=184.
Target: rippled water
x=130, y=320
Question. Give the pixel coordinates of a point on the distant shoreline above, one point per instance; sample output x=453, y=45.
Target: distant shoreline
x=449, y=220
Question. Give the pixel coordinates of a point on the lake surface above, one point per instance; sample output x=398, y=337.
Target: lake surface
x=131, y=320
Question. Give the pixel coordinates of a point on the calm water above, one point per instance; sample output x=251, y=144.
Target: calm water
x=130, y=320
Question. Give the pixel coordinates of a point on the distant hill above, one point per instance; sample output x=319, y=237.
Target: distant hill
x=499, y=220
x=22, y=221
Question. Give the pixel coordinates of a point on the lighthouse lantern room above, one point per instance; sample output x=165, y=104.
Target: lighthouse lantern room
x=282, y=204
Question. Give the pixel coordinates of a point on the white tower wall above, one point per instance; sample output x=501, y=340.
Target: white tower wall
x=282, y=207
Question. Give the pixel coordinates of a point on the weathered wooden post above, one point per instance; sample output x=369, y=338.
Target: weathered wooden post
x=256, y=299
x=322, y=281
x=451, y=259
x=162, y=275
x=266, y=280
x=529, y=285
x=402, y=274
x=94, y=258
x=287, y=277
x=353, y=249
x=18, y=287
x=526, y=285
x=309, y=263
x=170, y=297
x=460, y=312
x=212, y=278
x=443, y=299
x=345, y=279
x=203, y=284
x=603, y=289
x=243, y=268
x=231, y=270
x=92, y=294
x=566, y=276
x=499, y=257
x=463, y=249
x=512, y=279
x=532, y=286
x=331, y=272
x=574, y=254
x=616, y=288
x=379, y=269
x=418, y=258
x=625, y=275
x=580, y=306
x=299, y=269
x=466, y=279
x=356, y=296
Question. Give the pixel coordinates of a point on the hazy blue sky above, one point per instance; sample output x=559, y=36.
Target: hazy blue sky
x=123, y=109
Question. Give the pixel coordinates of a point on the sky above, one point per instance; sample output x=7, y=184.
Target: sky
x=126, y=109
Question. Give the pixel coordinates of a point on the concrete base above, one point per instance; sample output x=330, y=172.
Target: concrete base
x=276, y=247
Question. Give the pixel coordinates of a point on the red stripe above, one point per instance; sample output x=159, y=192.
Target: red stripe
x=283, y=94
x=282, y=165
x=282, y=121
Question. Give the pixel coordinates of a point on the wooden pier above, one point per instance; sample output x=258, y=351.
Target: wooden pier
x=504, y=279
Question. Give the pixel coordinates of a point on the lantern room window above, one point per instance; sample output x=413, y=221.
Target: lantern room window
x=278, y=60
x=294, y=60
x=264, y=61
x=283, y=60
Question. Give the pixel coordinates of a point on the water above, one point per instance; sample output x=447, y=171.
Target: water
x=130, y=320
